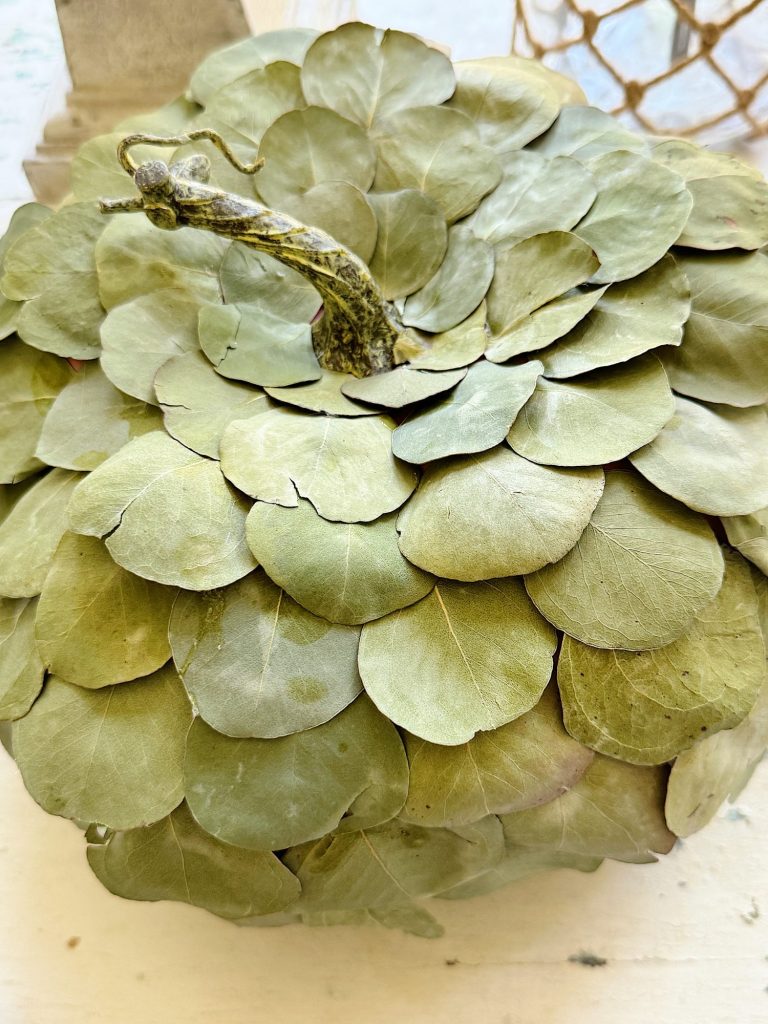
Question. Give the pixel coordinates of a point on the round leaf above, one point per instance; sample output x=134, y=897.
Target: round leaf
x=496, y=514
x=467, y=657
x=462, y=345
x=96, y=623
x=21, y=670
x=22, y=219
x=346, y=572
x=255, y=663
x=341, y=210
x=411, y=241
x=112, y=756
x=749, y=535
x=402, y=386
x=267, y=794
x=586, y=132
x=544, y=325
x=323, y=395
x=250, y=103
x=644, y=567
x=231, y=62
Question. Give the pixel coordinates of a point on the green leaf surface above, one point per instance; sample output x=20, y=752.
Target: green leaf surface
x=255, y=663
x=462, y=345
x=637, y=199
x=364, y=73
x=346, y=572
x=594, y=419
x=401, y=386
x=31, y=381
x=475, y=416
x=111, y=756
x=713, y=458
x=250, y=277
x=52, y=267
x=91, y=420
x=438, y=151
x=31, y=532
x=198, y=405
x=535, y=195
x=389, y=866
x=525, y=763
x=544, y=325
x=586, y=132
x=518, y=863
x=96, y=623
x=323, y=395
x=21, y=670
x=724, y=354
x=332, y=148
x=411, y=241
x=628, y=319
x=142, y=334
x=533, y=272
x=646, y=707
x=342, y=211
x=23, y=219
x=496, y=514
x=174, y=859
x=170, y=515
x=250, y=103
x=615, y=811
x=486, y=661
x=643, y=569
x=749, y=535
x=96, y=173
x=267, y=794
x=344, y=467
x=248, y=343
x=458, y=287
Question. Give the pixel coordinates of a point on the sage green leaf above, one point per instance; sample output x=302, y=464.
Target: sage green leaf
x=250, y=344
x=96, y=623
x=140, y=335
x=323, y=395
x=91, y=420
x=364, y=73
x=31, y=532
x=475, y=416
x=250, y=103
x=458, y=287
x=112, y=756
x=496, y=514
x=341, y=210
x=643, y=569
x=715, y=769
x=389, y=866
x=616, y=810
x=355, y=763
x=637, y=199
x=595, y=419
x=248, y=277
x=524, y=763
x=231, y=62
x=712, y=458
x=462, y=345
x=255, y=663
x=531, y=273
x=134, y=258
x=586, y=132
x=411, y=241
x=174, y=859
x=23, y=219
x=10, y=494
x=332, y=148
x=508, y=99
x=21, y=670
x=724, y=355
x=519, y=863
x=52, y=267
x=544, y=325
x=346, y=572
x=31, y=381
x=96, y=173
x=535, y=195
x=628, y=319
x=749, y=535
x=730, y=201
x=487, y=661
x=169, y=119
x=402, y=386
x=646, y=707
x=343, y=466
x=198, y=404
x=170, y=515
x=412, y=919
x=438, y=151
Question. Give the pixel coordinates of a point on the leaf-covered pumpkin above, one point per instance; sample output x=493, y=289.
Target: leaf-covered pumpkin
x=360, y=536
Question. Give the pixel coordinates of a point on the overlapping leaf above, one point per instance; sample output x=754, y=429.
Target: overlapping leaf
x=342, y=211
x=586, y=132
x=401, y=386
x=21, y=669
x=323, y=395
x=251, y=102
x=26, y=217
x=462, y=345
x=749, y=535
x=544, y=325
x=411, y=241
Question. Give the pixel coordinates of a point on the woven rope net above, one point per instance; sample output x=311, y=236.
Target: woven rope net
x=640, y=58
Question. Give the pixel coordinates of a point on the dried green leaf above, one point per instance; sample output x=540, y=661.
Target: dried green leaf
x=250, y=277
x=21, y=670
x=250, y=103
x=544, y=325
x=518, y=863
x=586, y=132
x=411, y=241
x=462, y=345
x=486, y=660
x=749, y=535
x=341, y=210
x=402, y=386
x=23, y=219
x=323, y=395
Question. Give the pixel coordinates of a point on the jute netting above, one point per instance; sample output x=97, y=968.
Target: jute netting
x=669, y=66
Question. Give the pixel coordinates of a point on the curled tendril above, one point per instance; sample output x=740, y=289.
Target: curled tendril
x=130, y=165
